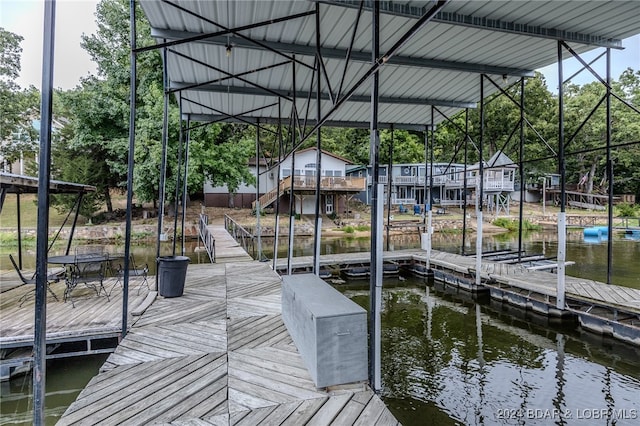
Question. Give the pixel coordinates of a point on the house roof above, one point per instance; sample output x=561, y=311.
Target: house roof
x=499, y=160
x=236, y=60
x=324, y=152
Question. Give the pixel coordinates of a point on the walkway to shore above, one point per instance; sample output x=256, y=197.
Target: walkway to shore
x=218, y=355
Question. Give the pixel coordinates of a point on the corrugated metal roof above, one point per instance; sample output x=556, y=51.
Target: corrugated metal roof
x=440, y=65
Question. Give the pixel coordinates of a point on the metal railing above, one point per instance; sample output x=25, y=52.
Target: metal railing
x=207, y=237
x=239, y=233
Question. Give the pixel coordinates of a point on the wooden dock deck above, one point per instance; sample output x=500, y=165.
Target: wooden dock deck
x=93, y=318
x=504, y=274
x=219, y=355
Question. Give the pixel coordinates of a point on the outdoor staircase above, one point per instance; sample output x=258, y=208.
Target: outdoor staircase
x=269, y=197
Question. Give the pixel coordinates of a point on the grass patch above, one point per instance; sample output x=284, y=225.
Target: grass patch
x=10, y=239
x=349, y=229
x=28, y=213
x=514, y=225
x=362, y=228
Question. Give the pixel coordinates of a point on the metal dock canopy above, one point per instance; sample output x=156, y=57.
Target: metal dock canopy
x=19, y=184
x=236, y=60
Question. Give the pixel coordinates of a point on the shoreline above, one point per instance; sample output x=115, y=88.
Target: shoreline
x=146, y=229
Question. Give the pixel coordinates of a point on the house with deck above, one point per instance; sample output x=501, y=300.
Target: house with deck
x=296, y=175
x=410, y=183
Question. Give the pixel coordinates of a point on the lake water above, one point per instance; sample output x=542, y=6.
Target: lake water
x=446, y=357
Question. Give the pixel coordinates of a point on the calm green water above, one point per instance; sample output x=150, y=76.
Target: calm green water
x=65, y=379
x=446, y=358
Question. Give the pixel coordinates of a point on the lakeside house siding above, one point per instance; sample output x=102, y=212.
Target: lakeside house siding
x=332, y=166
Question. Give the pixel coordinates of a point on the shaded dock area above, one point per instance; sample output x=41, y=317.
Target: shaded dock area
x=218, y=355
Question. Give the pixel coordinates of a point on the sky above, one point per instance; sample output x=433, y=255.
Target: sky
x=75, y=17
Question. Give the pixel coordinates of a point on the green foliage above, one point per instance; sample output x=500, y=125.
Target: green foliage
x=627, y=210
x=361, y=228
x=513, y=225
x=94, y=146
x=10, y=239
x=17, y=107
x=348, y=229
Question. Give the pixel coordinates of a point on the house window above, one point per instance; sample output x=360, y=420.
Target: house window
x=310, y=166
x=328, y=172
x=286, y=172
x=337, y=173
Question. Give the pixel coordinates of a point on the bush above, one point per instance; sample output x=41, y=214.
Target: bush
x=513, y=225
x=627, y=210
x=349, y=229
x=363, y=228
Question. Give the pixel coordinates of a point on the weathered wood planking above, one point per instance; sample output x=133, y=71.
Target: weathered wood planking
x=513, y=275
x=218, y=355
x=93, y=315
x=227, y=249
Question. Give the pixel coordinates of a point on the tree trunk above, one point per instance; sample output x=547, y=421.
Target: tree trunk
x=107, y=199
x=592, y=173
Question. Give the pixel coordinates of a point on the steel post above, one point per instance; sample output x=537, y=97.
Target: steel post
x=318, y=221
x=562, y=221
x=42, y=242
x=375, y=284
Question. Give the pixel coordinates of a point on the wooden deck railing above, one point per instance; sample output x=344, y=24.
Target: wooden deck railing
x=308, y=183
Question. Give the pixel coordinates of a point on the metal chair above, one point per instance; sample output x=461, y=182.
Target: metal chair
x=32, y=281
x=134, y=272
x=89, y=272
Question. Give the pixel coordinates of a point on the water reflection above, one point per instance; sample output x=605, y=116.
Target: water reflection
x=451, y=360
x=65, y=379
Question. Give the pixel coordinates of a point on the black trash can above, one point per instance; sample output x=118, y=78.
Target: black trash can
x=172, y=272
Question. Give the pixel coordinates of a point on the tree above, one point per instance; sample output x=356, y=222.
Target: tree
x=100, y=118
x=17, y=107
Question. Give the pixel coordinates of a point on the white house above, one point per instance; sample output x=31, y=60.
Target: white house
x=297, y=170
x=408, y=183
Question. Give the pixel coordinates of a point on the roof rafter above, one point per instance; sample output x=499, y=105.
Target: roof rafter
x=330, y=123
x=452, y=18
x=360, y=56
x=255, y=91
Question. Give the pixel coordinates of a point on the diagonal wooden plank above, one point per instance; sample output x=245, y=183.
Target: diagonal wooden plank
x=255, y=417
x=305, y=411
x=121, y=394
x=280, y=413
x=207, y=401
x=328, y=412
x=371, y=413
x=175, y=395
x=272, y=381
x=256, y=331
x=260, y=358
x=252, y=306
x=352, y=410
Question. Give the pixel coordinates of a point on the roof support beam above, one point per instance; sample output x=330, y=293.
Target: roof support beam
x=240, y=90
x=271, y=120
x=360, y=56
x=452, y=18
